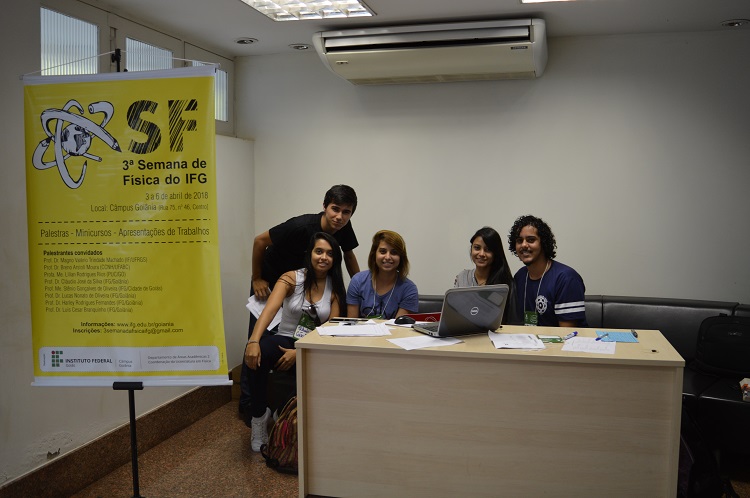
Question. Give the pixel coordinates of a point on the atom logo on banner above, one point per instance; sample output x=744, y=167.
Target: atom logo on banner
x=73, y=139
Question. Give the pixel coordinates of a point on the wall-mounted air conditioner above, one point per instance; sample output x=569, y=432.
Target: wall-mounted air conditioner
x=485, y=50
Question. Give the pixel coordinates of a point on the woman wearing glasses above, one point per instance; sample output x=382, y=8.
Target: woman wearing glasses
x=383, y=291
x=310, y=296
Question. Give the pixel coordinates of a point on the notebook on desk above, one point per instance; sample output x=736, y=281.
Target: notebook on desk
x=469, y=310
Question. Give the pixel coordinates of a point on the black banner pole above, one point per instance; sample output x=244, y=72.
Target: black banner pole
x=116, y=58
x=131, y=387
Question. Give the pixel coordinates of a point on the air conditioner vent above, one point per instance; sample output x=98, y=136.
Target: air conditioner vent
x=487, y=50
x=427, y=39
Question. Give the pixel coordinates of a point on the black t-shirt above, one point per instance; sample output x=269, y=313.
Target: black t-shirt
x=290, y=240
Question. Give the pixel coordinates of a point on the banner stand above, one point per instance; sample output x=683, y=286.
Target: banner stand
x=131, y=387
x=117, y=58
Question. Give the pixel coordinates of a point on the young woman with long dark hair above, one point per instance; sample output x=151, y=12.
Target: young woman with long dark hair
x=310, y=296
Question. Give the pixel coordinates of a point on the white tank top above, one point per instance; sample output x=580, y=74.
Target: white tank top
x=296, y=303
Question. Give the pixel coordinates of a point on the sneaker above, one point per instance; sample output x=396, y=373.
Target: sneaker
x=260, y=430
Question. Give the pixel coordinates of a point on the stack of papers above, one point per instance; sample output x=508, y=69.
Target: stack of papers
x=360, y=329
x=256, y=306
x=423, y=341
x=589, y=345
x=516, y=341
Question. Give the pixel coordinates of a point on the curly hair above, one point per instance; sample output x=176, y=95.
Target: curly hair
x=394, y=239
x=546, y=237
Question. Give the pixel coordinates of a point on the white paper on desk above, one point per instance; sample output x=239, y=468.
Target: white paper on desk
x=423, y=341
x=516, y=341
x=589, y=345
x=358, y=330
x=255, y=306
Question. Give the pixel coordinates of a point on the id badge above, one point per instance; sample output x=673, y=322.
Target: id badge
x=305, y=326
x=530, y=318
x=375, y=317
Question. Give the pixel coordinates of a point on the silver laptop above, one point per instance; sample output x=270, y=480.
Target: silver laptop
x=469, y=310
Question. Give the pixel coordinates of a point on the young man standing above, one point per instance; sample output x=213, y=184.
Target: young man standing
x=282, y=248
x=549, y=293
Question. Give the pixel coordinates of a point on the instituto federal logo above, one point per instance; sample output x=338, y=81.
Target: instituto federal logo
x=74, y=138
x=57, y=360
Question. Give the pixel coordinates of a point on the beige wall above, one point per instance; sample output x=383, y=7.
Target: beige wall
x=633, y=148
x=33, y=420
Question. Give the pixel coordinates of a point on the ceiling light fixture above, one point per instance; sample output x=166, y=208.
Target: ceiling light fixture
x=245, y=41
x=296, y=10
x=544, y=1
x=299, y=46
x=735, y=23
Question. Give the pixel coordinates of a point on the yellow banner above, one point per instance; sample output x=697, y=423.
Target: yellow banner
x=123, y=232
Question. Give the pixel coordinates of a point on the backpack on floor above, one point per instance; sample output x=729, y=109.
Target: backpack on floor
x=280, y=452
x=723, y=346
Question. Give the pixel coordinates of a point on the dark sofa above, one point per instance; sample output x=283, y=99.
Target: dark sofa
x=715, y=402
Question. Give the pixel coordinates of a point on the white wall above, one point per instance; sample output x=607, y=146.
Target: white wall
x=33, y=420
x=236, y=198
x=633, y=148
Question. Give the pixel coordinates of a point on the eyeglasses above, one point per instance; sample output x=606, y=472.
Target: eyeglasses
x=312, y=311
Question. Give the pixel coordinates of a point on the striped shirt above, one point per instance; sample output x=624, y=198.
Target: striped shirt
x=561, y=296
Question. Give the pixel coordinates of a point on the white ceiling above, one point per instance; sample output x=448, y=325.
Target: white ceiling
x=216, y=24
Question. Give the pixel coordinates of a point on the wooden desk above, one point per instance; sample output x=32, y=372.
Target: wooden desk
x=471, y=420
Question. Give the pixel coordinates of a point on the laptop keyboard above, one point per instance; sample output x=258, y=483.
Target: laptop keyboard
x=432, y=326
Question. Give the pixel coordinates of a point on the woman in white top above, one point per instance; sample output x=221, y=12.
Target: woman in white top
x=310, y=296
x=490, y=267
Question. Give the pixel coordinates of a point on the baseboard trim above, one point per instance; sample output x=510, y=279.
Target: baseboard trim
x=78, y=469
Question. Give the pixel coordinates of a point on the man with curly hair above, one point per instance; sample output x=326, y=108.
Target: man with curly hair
x=549, y=293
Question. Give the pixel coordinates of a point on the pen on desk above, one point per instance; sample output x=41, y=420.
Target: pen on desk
x=570, y=336
x=635, y=334
x=345, y=319
x=606, y=334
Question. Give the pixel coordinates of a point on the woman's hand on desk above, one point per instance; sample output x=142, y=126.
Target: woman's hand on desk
x=287, y=361
x=252, y=355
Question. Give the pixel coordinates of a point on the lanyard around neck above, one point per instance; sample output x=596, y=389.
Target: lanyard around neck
x=546, y=267
x=375, y=295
